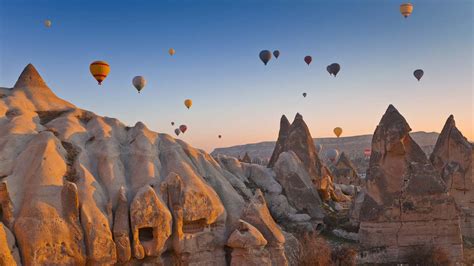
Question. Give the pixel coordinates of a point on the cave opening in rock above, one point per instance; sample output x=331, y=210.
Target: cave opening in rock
x=145, y=234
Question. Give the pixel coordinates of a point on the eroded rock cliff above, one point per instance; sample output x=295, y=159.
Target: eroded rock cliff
x=79, y=188
x=406, y=206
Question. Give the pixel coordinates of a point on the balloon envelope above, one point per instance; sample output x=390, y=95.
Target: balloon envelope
x=333, y=154
x=100, y=70
x=183, y=128
x=220, y=136
x=337, y=131
x=308, y=59
x=406, y=9
x=177, y=131
x=171, y=51
x=418, y=74
x=265, y=56
x=367, y=152
x=276, y=53
x=335, y=68
x=304, y=94
x=172, y=123
x=47, y=23
x=139, y=82
x=188, y=103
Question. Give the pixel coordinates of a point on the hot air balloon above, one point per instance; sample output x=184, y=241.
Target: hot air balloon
x=177, y=131
x=139, y=82
x=337, y=131
x=333, y=154
x=172, y=123
x=183, y=128
x=367, y=152
x=47, y=23
x=171, y=51
x=319, y=147
x=308, y=59
x=100, y=70
x=265, y=56
x=220, y=136
x=418, y=74
x=304, y=94
x=333, y=69
x=406, y=9
x=276, y=53
x=188, y=103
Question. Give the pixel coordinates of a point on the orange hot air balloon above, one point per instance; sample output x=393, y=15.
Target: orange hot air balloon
x=100, y=70
x=406, y=9
x=171, y=51
x=337, y=131
x=188, y=103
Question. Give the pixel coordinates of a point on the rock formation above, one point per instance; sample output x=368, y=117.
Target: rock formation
x=98, y=192
x=247, y=245
x=297, y=138
x=344, y=172
x=452, y=157
x=407, y=205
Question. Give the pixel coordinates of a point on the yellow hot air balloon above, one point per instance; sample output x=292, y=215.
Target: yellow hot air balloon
x=337, y=131
x=100, y=70
x=406, y=9
x=188, y=103
x=171, y=51
x=47, y=23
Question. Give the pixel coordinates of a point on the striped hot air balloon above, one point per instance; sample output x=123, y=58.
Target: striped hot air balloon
x=100, y=70
x=406, y=9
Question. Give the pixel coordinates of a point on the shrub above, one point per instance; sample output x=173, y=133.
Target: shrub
x=344, y=256
x=315, y=251
x=434, y=256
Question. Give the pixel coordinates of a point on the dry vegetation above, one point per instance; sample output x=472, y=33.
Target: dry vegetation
x=432, y=256
x=316, y=251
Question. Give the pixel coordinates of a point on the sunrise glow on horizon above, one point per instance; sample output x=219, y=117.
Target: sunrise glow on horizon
x=216, y=63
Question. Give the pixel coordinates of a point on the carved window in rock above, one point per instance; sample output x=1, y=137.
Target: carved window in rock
x=145, y=234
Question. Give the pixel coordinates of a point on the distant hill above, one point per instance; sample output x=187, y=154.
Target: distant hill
x=353, y=147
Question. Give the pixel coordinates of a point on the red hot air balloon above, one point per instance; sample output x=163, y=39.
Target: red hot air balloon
x=367, y=153
x=183, y=128
x=308, y=59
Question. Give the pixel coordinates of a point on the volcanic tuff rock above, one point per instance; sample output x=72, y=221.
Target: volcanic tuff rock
x=78, y=188
x=344, y=171
x=407, y=205
x=453, y=158
x=297, y=139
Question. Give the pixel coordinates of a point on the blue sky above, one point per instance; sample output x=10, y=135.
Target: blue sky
x=216, y=62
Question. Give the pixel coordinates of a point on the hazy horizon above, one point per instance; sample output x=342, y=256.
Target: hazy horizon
x=216, y=63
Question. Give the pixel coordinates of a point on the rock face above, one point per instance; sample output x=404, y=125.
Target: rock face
x=247, y=245
x=452, y=157
x=407, y=205
x=98, y=192
x=297, y=185
x=344, y=172
x=297, y=139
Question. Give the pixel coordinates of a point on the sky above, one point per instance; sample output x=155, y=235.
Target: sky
x=216, y=64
